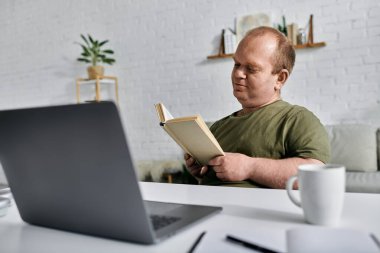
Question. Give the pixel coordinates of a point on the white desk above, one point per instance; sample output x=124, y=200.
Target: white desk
x=259, y=213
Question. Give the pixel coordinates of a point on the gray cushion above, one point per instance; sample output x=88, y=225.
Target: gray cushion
x=363, y=182
x=353, y=146
x=378, y=149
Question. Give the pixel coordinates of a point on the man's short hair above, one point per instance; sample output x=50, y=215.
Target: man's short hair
x=285, y=56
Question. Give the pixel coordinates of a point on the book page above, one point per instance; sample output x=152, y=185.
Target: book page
x=195, y=139
x=163, y=113
x=191, y=134
x=166, y=113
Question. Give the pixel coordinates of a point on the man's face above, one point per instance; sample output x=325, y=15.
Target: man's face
x=252, y=79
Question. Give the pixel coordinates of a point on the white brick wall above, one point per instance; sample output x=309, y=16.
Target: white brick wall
x=161, y=49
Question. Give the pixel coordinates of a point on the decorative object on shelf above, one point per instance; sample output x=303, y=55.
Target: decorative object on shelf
x=248, y=22
x=229, y=41
x=298, y=36
x=222, y=52
x=301, y=37
x=310, y=37
x=97, y=82
x=292, y=30
x=283, y=28
x=93, y=53
x=243, y=25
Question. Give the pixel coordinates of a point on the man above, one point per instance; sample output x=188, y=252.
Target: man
x=268, y=138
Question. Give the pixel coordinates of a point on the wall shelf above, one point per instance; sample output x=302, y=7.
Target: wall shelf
x=310, y=45
x=218, y=56
x=97, y=82
x=303, y=46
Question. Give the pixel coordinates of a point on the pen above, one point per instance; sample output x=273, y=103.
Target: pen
x=249, y=245
x=374, y=238
x=196, y=242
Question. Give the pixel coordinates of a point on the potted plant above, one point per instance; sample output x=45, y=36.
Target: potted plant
x=94, y=53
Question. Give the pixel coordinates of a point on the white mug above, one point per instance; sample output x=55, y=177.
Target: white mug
x=322, y=190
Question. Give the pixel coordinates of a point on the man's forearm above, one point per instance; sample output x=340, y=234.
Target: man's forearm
x=274, y=173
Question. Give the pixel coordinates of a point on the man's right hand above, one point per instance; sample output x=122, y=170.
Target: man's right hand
x=194, y=168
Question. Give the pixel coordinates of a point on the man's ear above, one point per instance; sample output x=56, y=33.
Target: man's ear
x=282, y=76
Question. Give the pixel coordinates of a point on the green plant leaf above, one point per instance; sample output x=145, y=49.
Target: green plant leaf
x=92, y=52
x=90, y=38
x=85, y=49
x=109, y=61
x=84, y=60
x=84, y=38
x=108, y=51
x=102, y=43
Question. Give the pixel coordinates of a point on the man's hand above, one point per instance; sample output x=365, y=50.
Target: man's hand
x=273, y=173
x=194, y=168
x=232, y=167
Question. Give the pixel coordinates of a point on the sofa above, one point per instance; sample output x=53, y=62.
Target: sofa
x=358, y=148
x=355, y=146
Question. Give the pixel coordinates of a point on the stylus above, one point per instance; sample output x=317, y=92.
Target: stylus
x=249, y=245
x=191, y=250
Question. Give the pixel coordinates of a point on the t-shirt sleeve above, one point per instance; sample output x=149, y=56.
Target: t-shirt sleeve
x=213, y=127
x=306, y=137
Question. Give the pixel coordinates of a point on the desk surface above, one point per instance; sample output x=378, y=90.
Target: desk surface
x=260, y=214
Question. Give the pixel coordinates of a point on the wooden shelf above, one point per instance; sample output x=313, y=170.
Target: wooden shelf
x=307, y=45
x=219, y=56
x=310, y=45
x=97, y=82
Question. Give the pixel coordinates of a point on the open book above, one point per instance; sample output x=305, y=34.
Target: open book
x=191, y=133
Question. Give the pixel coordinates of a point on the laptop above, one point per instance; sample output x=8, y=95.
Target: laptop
x=69, y=167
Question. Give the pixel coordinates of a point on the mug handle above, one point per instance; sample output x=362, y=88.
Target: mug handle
x=289, y=190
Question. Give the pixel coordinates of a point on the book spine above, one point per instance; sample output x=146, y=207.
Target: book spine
x=229, y=42
x=290, y=30
x=294, y=33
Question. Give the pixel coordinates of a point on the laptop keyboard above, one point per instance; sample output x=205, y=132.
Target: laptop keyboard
x=160, y=221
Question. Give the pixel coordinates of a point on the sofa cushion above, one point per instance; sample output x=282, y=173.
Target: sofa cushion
x=354, y=146
x=368, y=182
x=378, y=149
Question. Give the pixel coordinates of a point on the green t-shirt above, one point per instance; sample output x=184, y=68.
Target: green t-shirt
x=278, y=130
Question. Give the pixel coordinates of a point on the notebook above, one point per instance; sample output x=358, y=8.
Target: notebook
x=328, y=239
x=69, y=167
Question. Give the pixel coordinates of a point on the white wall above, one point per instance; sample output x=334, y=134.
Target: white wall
x=161, y=49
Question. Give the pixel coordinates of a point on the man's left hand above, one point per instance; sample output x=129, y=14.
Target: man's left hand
x=232, y=167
